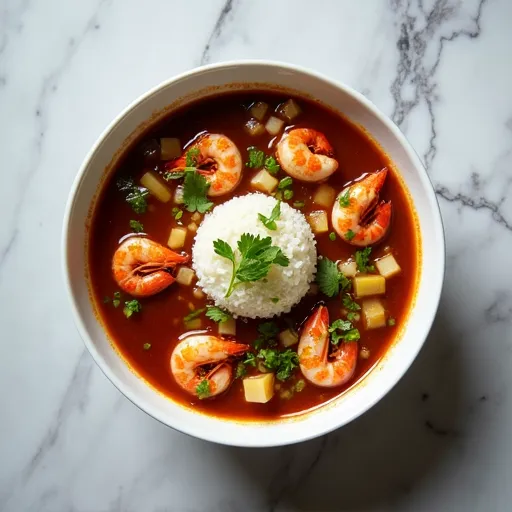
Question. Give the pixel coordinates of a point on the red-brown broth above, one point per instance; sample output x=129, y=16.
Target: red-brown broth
x=160, y=322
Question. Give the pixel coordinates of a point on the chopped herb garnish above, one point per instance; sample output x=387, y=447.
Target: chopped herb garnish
x=130, y=307
x=283, y=363
x=299, y=204
x=241, y=370
x=285, y=183
x=391, y=322
x=300, y=385
x=332, y=236
x=349, y=234
x=173, y=175
x=257, y=256
x=117, y=299
x=288, y=194
x=275, y=300
x=267, y=333
x=177, y=213
x=136, y=226
x=191, y=157
x=343, y=330
x=351, y=316
x=344, y=199
x=330, y=279
x=195, y=188
x=349, y=303
x=250, y=359
x=203, y=390
x=256, y=158
x=270, y=222
x=216, y=314
x=271, y=165
x=146, y=346
x=136, y=196
x=194, y=314
x=362, y=260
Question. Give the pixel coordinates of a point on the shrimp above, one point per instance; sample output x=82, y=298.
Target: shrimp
x=142, y=267
x=306, y=154
x=195, y=351
x=315, y=363
x=354, y=215
x=218, y=160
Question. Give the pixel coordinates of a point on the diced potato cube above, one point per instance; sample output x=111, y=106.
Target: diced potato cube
x=258, y=110
x=228, y=328
x=177, y=238
x=387, y=266
x=318, y=222
x=288, y=338
x=254, y=128
x=349, y=268
x=178, y=195
x=194, y=324
x=264, y=182
x=170, y=148
x=192, y=227
x=290, y=109
x=259, y=389
x=369, y=285
x=324, y=196
x=196, y=217
x=198, y=293
x=155, y=187
x=185, y=276
x=274, y=125
x=374, y=314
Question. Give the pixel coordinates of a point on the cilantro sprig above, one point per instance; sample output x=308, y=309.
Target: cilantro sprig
x=329, y=279
x=217, y=314
x=136, y=196
x=270, y=222
x=256, y=257
x=131, y=307
x=256, y=157
x=363, y=260
x=271, y=165
x=195, y=190
x=282, y=362
x=343, y=330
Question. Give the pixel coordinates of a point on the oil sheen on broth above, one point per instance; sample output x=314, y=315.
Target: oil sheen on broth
x=145, y=329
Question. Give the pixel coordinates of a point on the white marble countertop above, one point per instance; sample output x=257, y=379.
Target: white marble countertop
x=440, y=440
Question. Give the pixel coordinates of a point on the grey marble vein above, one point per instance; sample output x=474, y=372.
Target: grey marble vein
x=217, y=29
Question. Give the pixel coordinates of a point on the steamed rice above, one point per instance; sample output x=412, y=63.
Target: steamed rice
x=287, y=284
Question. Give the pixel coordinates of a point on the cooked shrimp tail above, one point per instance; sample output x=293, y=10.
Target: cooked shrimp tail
x=317, y=366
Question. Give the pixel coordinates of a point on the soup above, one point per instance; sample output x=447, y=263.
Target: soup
x=253, y=256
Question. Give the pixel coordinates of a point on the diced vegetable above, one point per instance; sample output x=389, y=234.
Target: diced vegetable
x=198, y=293
x=170, y=148
x=288, y=337
x=324, y=196
x=228, y=328
x=155, y=187
x=178, y=195
x=254, y=128
x=259, y=389
x=196, y=217
x=318, y=222
x=264, y=182
x=258, y=110
x=192, y=227
x=274, y=125
x=349, y=268
x=289, y=109
x=364, y=353
x=374, y=314
x=369, y=285
x=194, y=324
x=387, y=266
x=177, y=238
x=285, y=394
x=185, y=276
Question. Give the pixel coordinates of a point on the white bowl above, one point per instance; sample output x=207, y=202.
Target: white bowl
x=208, y=81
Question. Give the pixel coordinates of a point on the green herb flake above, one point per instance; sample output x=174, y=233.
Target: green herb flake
x=329, y=279
x=343, y=330
x=288, y=194
x=131, y=307
x=271, y=165
x=116, y=301
x=194, y=314
x=177, y=213
x=332, y=236
x=195, y=188
x=267, y=333
x=203, y=389
x=173, y=175
x=285, y=183
x=351, y=316
x=256, y=257
x=191, y=157
x=216, y=314
x=275, y=300
x=146, y=346
x=256, y=158
x=283, y=363
x=349, y=303
x=270, y=222
x=349, y=235
x=300, y=385
x=362, y=260
x=241, y=370
x=391, y=322
x=136, y=196
x=250, y=359
x=299, y=204
x=344, y=199
x=136, y=226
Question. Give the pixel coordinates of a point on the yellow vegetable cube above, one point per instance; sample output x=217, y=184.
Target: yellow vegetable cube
x=185, y=276
x=318, y=222
x=374, y=314
x=324, y=196
x=264, y=182
x=290, y=109
x=387, y=266
x=349, y=268
x=228, y=328
x=259, y=389
x=254, y=128
x=155, y=187
x=274, y=125
x=288, y=338
x=194, y=324
x=170, y=148
x=177, y=238
x=258, y=110
x=369, y=285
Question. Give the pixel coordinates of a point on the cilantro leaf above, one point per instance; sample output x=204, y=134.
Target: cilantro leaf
x=136, y=226
x=332, y=236
x=329, y=278
x=203, y=389
x=177, y=213
x=362, y=260
x=349, y=303
x=391, y=322
x=173, y=175
x=256, y=158
x=194, y=314
x=195, y=188
x=136, y=196
x=343, y=330
x=288, y=194
x=270, y=222
x=349, y=235
x=271, y=165
x=267, y=333
x=285, y=183
x=191, y=157
x=131, y=306
x=224, y=249
x=283, y=363
x=250, y=359
x=241, y=370
x=344, y=199
x=117, y=299
x=216, y=314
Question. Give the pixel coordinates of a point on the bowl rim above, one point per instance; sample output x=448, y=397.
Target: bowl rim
x=435, y=286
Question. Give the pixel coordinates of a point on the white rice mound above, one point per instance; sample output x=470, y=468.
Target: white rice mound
x=289, y=284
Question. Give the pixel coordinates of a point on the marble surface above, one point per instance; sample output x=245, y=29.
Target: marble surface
x=440, y=440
